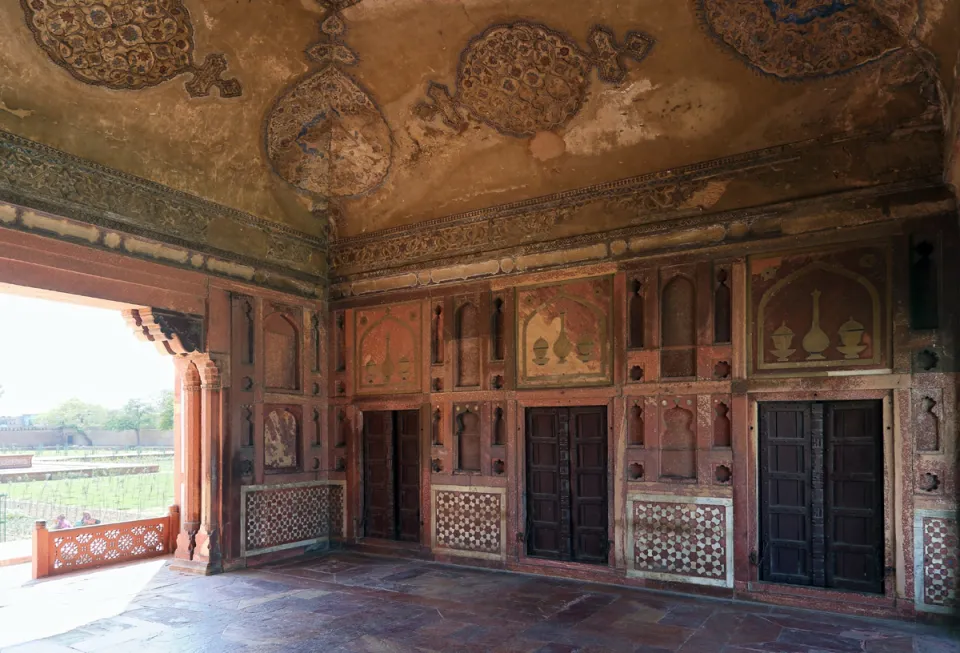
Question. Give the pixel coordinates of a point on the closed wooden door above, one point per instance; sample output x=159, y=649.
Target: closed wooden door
x=785, y=493
x=821, y=494
x=391, y=475
x=567, y=484
x=546, y=529
x=408, y=475
x=378, y=475
x=854, y=496
x=588, y=475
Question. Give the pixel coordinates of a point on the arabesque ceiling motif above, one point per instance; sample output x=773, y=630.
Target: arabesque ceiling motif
x=325, y=135
x=125, y=44
x=524, y=77
x=795, y=39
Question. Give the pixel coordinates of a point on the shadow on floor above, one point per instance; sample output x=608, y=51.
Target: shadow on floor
x=347, y=602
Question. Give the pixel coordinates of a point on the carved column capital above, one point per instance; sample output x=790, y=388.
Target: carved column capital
x=176, y=334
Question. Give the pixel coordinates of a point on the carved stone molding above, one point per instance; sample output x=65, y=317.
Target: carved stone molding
x=177, y=334
x=42, y=178
x=680, y=193
x=747, y=230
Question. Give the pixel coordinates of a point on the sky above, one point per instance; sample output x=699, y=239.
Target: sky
x=52, y=351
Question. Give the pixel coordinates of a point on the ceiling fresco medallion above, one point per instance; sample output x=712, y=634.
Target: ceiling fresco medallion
x=125, y=44
x=524, y=77
x=798, y=39
x=325, y=135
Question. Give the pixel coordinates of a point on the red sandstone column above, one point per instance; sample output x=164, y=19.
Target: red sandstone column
x=190, y=428
x=211, y=431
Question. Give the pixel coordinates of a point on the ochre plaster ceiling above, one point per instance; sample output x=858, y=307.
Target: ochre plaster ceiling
x=385, y=113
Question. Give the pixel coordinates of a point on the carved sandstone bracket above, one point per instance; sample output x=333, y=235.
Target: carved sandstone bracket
x=176, y=334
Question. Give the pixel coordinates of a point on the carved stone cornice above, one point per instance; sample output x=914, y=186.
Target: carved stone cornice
x=745, y=230
x=176, y=334
x=39, y=177
x=675, y=194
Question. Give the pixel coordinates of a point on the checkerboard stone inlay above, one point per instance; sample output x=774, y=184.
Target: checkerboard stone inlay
x=685, y=539
x=941, y=559
x=469, y=521
x=288, y=515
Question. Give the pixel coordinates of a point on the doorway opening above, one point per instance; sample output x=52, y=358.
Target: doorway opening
x=821, y=494
x=567, y=484
x=86, y=433
x=391, y=475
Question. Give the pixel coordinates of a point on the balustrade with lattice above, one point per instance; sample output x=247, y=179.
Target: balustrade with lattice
x=87, y=547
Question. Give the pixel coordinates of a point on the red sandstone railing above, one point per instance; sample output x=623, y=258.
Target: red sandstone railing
x=86, y=547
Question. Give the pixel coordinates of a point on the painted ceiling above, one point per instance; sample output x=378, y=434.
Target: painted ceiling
x=377, y=114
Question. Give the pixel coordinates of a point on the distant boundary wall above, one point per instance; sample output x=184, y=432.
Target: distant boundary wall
x=29, y=439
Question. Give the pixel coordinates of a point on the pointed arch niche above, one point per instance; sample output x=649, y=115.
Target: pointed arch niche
x=678, y=328
x=468, y=345
x=822, y=313
x=468, y=441
x=281, y=352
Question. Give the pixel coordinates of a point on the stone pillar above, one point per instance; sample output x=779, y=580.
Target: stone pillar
x=190, y=446
x=211, y=437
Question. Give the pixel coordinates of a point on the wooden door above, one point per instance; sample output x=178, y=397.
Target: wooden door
x=588, y=464
x=567, y=484
x=854, y=496
x=378, y=475
x=785, y=486
x=821, y=494
x=547, y=535
x=408, y=475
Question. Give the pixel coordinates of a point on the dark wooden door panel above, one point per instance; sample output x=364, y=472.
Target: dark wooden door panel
x=588, y=462
x=821, y=494
x=378, y=475
x=854, y=495
x=786, y=538
x=545, y=536
x=408, y=475
x=567, y=484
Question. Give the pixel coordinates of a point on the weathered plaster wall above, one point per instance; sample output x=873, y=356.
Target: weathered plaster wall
x=206, y=146
x=688, y=99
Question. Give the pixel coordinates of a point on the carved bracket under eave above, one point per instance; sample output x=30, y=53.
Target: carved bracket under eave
x=176, y=334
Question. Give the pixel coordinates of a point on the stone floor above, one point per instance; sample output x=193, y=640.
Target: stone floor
x=347, y=602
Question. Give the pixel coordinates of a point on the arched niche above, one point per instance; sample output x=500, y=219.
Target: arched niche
x=678, y=446
x=468, y=441
x=678, y=328
x=821, y=315
x=281, y=347
x=468, y=346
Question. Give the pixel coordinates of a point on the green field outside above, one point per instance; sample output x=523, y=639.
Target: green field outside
x=108, y=498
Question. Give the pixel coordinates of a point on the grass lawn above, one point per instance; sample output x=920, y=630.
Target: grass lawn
x=134, y=492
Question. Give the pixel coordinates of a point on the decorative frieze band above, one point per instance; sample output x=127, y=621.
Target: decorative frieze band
x=180, y=253
x=47, y=180
x=642, y=201
x=745, y=229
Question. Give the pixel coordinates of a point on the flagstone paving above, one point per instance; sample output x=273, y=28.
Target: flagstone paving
x=347, y=602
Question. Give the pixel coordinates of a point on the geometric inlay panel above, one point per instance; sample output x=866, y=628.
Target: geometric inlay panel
x=681, y=539
x=936, y=561
x=277, y=517
x=470, y=521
